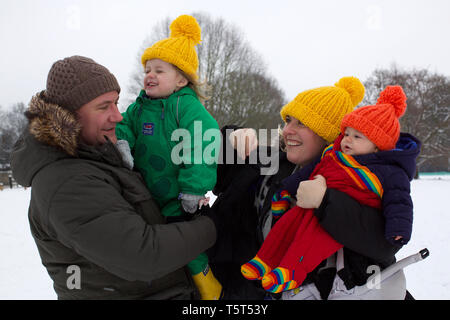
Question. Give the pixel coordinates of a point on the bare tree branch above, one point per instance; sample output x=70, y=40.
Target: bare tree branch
x=427, y=114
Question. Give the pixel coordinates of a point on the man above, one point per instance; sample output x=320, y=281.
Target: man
x=98, y=231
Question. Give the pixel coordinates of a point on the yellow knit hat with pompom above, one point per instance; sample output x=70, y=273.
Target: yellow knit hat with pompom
x=179, y=48
x=322, y=109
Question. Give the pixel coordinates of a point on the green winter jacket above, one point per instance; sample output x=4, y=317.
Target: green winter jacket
x=185, y=165
x=89, y=212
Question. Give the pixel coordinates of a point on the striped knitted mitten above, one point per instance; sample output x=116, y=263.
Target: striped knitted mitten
x=281, y=202
x=312, y=244
x=274, y=247
x=255, y=269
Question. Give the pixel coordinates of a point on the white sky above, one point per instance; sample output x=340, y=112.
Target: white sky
x=305, y=44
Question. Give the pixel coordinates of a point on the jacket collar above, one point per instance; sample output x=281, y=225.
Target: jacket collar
x=183, y=91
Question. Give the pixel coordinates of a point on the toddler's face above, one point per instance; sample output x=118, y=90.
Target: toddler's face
x=355, y=143
x=162, y=79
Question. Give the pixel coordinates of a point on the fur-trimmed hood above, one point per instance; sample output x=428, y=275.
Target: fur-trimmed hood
x=52, y=134
x=53, y=125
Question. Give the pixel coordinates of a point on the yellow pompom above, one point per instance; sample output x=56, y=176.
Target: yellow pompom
x=354, y=87
x=186, y=26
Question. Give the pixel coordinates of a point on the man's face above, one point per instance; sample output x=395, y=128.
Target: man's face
x=98, y=119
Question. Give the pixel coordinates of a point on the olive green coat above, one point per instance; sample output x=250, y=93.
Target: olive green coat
x=171, y=161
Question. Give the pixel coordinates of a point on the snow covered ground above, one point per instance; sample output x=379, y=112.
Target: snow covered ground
x=22, y=275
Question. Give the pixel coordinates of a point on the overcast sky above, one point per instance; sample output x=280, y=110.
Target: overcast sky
x=305, y=44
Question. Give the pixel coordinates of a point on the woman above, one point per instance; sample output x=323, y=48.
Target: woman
x=312, y=121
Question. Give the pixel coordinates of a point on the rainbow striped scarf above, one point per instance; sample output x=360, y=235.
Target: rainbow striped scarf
x=361, y=175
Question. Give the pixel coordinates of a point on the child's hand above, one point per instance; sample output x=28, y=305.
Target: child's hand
x=244, y=141
x=125, y=152
x=203, y=202
x=310, y=193
x=190, y=202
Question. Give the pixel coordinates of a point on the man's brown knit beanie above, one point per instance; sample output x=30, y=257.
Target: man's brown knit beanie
x=74, y=81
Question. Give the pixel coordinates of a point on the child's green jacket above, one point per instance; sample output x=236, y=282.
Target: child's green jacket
x=172, y=161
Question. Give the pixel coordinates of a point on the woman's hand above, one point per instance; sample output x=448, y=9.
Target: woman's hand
x=244, y=141
x=310, y=193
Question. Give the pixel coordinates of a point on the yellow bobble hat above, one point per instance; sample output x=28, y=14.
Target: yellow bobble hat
x=322, y=109
x=179, y=48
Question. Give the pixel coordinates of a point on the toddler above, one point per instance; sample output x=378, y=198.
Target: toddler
x=170, y=101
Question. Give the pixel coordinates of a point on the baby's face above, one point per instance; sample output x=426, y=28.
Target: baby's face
x=355, y=143
x=162, y=79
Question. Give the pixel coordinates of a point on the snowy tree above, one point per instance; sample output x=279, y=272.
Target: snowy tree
x=428, y=107
x=12, y=124
x=242, y=92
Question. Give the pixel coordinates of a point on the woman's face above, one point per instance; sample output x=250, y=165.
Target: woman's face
x=302, y=144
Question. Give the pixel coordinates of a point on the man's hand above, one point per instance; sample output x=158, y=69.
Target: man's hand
x=310, y=193
x=244, y=141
